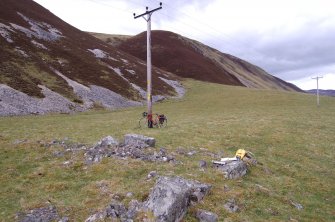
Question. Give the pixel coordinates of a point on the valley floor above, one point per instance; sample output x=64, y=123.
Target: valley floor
x=291, y=138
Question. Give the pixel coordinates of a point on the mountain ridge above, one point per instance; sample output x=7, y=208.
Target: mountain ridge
x=192, y=59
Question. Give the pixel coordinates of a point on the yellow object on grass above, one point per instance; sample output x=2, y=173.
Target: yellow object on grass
x=240, y=153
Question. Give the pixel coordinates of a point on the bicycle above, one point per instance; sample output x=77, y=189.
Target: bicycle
x=158, y=120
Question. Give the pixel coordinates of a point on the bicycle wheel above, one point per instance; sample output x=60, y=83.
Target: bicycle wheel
x=143, y=122
x=163, y=122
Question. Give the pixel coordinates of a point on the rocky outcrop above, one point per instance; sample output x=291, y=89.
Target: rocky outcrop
x=168, y=202
x=171, y=197
x=135, y=146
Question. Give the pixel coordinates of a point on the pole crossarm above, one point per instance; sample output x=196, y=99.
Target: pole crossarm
x=317, y=89
x=147, y=12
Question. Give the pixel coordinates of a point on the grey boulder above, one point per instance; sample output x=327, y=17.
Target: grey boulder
x=171, y=197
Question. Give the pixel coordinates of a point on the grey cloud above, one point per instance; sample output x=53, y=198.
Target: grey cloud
x=289, y=56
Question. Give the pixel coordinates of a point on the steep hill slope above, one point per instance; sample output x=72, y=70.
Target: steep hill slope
x=191, y=59
x=44, y=60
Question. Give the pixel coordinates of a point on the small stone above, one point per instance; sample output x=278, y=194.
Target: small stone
x=202, y=164
x=231, y=206
x=117, y=197
x=64, y=219
x=162, y=151
x=96, y=217
x=262, y=189
x=58, y=154
x=108, y=141
x=191, y=153
x=297, y=205
x=151, y=174
x=129, y=194
x=66, y=163
x=16, y=142
x=206, y=216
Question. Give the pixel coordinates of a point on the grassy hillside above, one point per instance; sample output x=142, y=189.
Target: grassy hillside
x=289, y=135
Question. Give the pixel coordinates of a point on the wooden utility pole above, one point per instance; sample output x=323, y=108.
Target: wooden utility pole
x=317, y=89
x=149, y=78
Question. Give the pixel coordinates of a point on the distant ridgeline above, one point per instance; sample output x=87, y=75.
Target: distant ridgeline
x=322, y=92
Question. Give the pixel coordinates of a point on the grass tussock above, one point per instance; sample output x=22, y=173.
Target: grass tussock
x=291, y=138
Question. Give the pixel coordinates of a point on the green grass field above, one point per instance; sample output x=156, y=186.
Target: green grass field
x=292, y=139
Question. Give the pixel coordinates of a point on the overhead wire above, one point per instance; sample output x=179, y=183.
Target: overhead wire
x=225, y=38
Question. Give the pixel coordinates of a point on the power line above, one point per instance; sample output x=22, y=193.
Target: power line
x=220, y=37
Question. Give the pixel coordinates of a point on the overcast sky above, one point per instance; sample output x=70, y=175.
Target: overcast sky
x=291, y=39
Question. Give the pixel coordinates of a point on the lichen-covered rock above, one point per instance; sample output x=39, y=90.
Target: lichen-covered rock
x=171, y=197
x=44, y=214
x=233, y=169
x=136, y=139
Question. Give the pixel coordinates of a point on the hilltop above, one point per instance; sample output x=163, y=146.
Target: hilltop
x=188, y=58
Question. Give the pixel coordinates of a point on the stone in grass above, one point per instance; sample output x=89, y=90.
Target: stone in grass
x=116, y=211
x=231, y=206
x=138, y=140
x=171, y=197
x=108, y=141
x=202, y=164
x=206, y=216
x=44, y=214
x=233, y=169
x=296, y=205
x=152, y=174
